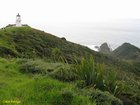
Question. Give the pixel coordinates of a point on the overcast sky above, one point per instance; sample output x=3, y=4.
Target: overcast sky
x=62, y=17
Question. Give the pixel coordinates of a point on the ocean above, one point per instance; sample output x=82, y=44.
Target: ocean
x=93, y=34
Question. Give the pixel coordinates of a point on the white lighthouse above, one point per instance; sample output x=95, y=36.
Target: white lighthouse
x=18, y=20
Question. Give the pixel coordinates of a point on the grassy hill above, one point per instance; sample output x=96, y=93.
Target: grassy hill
x=127, y=51
x=38, y=68
x=28, y=42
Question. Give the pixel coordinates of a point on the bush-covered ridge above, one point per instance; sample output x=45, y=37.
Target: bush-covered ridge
x=127, y=51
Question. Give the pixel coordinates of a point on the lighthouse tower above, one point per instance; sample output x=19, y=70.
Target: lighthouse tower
x=18, y=20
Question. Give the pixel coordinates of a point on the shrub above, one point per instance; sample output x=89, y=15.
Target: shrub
x=38, y=66
x=94, y=75
x=67, y=96
x=7, y=52
x=104, y=98
x=64, y=73
x=112, y=84
x=86, y=71
x=56, y=53
x=81, y=84
x=32, y=67
x=100, y=74
x=91, y=73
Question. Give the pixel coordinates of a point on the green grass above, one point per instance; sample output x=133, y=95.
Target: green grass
x=26, y=42
x=35, y=89
x=56, y=84
x=34, y=43
x=38, y=68
x=30, y=88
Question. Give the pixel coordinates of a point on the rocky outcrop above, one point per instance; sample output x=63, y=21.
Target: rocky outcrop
x=104, y=48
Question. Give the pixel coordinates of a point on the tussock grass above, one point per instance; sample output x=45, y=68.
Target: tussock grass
x=56, y=84
x=94, y=75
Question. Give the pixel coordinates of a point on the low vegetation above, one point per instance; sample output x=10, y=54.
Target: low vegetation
x=37, y=68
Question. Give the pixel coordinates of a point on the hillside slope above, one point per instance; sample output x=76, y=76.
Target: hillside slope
x=29, y=42
x=26, y=42
x=127, y=51
x=34, y=62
